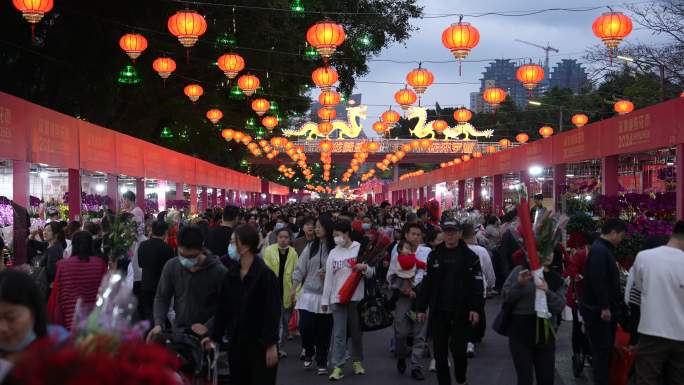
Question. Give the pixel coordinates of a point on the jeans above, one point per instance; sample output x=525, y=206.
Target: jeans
x=248, y=364
x=285, y=315
x=346, y=320
x=602, y=337
x=403, y=326
x=315, y=330
x=531, y=357
x=659, y=361
x=450, y=332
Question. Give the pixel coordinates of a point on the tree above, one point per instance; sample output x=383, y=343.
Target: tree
x=74, y=64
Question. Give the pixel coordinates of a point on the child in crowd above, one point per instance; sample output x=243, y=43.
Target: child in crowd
x=402, y=282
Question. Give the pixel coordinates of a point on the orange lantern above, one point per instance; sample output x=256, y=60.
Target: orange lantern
x=327, y=167
x=327, y=113
x=329, y=98
x=227, y=134
x=231, y=64
x=390, y=117
x=546, y=131
x=494, y=96
x=373, y=146
x=164, y=66
x=406, y=147
x=379, y=127
x=260, y=106
x=462, y=115
x=522, y=137
x=386, y=162
x=238, y=136
x=439, y=125
x=248, y=84
x=420, y=79
x=187, y=26
x=277, y=141
x=477, y=154
x=465, y=158
x=530, y=75
x=325, y=128
x=33, y=10
x=214, y=115
x=490, y=149
x=400, y=154
x=612, y=27
x=269, y=122
x=405, y=98
x=246, y=139
x=324, y=77
x=193, y=91
x=580, y=120
x=133, y=44
x=442, y=165
x=623, y=107
x=325, y=36
x=460, y=39
x=325, y=146
x=425, y=143
x=415, y=144
x=394, y=159
x=504, y=143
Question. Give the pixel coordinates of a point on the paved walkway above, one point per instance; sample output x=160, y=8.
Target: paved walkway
x=492, y=365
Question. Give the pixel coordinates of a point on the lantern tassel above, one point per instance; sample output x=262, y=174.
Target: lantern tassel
x=33, y=33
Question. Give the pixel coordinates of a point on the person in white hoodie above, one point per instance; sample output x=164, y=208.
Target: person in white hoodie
x=341, y=261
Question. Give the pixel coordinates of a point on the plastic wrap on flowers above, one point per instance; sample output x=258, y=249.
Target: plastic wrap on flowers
x=349, y=287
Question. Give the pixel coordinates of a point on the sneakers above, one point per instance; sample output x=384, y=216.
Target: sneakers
x=336, y=374
x=358, y=368
x=282, y=354
x=417, y=374
x=322, y=371
x=308, y=364
x=302, y=355
x=471, y=350
x=401, y=365
x=433, y=365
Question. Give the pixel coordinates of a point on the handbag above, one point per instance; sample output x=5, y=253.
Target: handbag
x=373, y=309
x=502, y=322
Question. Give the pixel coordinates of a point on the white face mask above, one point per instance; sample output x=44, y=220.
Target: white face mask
x=339, y=240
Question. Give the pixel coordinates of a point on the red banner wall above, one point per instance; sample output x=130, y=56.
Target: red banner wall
x=129, y=155
x=14, y=128
x=97, y=148
x=188, y=165
x=54, y=138
x=154, y=161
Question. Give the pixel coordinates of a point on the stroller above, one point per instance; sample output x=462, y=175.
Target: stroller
x=198, y=365
x=581, y=344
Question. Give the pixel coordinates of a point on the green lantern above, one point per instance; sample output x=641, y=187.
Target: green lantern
x=274, y=106
x=128, y=75
x=225, y=40
x=236, y=93
x=297, y=9
x=184, y=135
x=364, y=41
x=311, y=53
x=260, y=133
x=250, y=123
x=166, y=133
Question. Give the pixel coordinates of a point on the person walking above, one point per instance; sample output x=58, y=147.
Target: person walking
x=315, y=325
x=601, y=300
x=533, y=351
x=248, y=312
x=453, y=291
x=281, y=258
x=153, y=254
x=342, y=260
x=78, y=277
x=218, y=237
x=54, y=236
x=659, y=276
x=308, y=236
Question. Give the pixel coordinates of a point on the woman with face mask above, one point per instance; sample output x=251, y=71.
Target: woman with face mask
x=342, y=260
x=315, y=325
x=249, y=312
x=281, y=258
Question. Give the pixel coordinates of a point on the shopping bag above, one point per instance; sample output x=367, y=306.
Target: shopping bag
x=622, y=359
x=349, y=287
x=294, y=321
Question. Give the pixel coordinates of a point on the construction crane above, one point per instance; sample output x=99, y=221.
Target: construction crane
x=547, y=49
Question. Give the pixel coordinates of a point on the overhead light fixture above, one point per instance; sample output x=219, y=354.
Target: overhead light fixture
x=626, y=58
x=123, y=190
x=534, y=103
x=569, y=175
x=99, y=187
x=535, y=170
x=43, y=175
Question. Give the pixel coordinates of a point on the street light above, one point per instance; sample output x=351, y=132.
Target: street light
x=661, y=67
x=560, y=112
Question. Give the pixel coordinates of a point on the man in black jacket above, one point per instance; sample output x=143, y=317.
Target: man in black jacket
x=218, y=237
x=152, y=256
x=602, y=296
x=453, y=290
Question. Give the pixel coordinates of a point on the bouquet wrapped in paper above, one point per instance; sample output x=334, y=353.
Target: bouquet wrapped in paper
x=349, y=287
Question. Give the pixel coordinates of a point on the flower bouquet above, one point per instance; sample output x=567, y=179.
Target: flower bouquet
x=118, y=241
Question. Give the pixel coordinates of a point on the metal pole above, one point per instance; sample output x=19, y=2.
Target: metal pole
x=662, y=83
x=560, y=119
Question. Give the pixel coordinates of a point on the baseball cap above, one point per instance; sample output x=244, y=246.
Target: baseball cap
x=450, y=224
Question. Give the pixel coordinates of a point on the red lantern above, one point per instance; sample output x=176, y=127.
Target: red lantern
x=248, y=84
x=420, y=79
x=390, y=117
x=522, y=137
x=494, y=96
x=133, y=44
x=231, y=64
x=325, y=146
x=460, y=39
x=504, y=143
x=373, y=146
x=405, y=98
x=425, y=143
x=462, y=115
x=324, y=77
x=227, y=134
x=193, y=91
x=164, y=66
x=33, y=10
x=325, y=128
x=439, y=125
x=546, y=131
x=580, y=120
x=465, y=158
x=214, y=115
x=379, y=128
x=490, y=149
x=623, y=107
x=329, y=98
x=477, y=154
x=327, y=114
x=277, y=141
x=269, y=122
x=260, y=106
x=238, y=135
x=187, y=26
x=325, y=36
x=612, y=27
x=530, y=75
x=406, y=147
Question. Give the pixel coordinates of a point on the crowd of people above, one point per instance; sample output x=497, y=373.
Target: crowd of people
x=249, y=280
